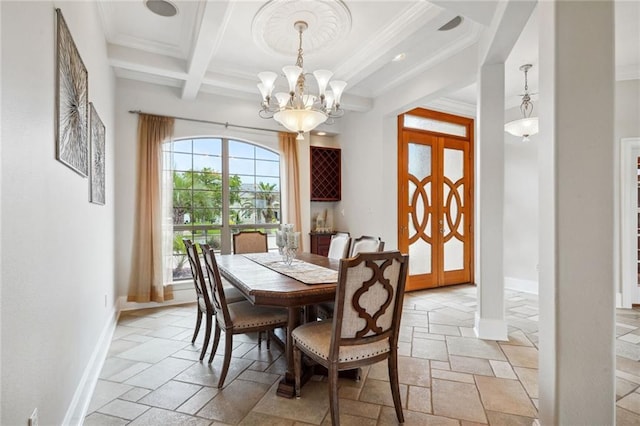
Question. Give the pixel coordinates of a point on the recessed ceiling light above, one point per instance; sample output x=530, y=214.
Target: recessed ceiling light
x=321, y=133
x=399, y=57
x=162, y=7
x=451, y=24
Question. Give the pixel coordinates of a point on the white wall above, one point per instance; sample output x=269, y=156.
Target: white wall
x=520, y=210
x=57, y=248
x=150, y=98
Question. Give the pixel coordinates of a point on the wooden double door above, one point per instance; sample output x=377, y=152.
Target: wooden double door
x=435, y=202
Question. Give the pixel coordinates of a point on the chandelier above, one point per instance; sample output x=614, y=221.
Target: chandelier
x=527, y=125
x=300, y=110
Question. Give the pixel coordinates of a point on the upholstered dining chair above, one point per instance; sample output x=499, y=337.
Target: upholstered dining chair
x=339, y=245
x=365, y=244
x=236, y=318
x=338, y=249
x=362, y=244
x=250, y=242
x=365, y=326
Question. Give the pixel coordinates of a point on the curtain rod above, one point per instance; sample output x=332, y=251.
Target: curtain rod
x=219, y=123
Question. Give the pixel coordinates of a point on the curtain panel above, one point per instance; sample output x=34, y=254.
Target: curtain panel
x=291, y=209
x=148, y=267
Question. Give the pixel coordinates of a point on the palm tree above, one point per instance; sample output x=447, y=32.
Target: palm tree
x=266, y=193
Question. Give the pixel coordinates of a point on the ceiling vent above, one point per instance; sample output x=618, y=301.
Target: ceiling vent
x=451, y=24
x=162, y=7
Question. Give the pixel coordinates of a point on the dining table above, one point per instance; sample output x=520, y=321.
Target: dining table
x=269, y=283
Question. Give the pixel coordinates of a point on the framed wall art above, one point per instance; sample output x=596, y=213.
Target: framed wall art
x=72, y=145
x=97, y=165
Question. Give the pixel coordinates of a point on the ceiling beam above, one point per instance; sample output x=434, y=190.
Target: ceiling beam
x=213, y=24
x=509, y=19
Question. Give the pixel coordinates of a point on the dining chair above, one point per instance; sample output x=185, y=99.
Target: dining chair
x=203, y=298
x=338, y=249
x=339, y=246
x=365, y=326
x=365, y=244
x=236, y=318
x=250, y=242
x=362, y=244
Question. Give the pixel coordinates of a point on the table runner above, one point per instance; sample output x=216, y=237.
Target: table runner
x=305, y=272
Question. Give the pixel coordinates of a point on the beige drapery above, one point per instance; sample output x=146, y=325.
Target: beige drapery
x=146, y=282
x=289, y=152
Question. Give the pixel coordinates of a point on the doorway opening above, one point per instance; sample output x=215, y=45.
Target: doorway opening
x=435, y=197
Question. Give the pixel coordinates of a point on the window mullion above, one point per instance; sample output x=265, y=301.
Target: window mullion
x=225, y=232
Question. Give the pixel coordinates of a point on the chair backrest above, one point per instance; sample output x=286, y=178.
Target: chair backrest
x=250, y=242
x=219, y=300
x=366, y=244
x=339, y=246
x=369, y=297
x=198, y=276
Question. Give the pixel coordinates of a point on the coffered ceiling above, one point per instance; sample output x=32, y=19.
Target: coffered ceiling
x=219, y=46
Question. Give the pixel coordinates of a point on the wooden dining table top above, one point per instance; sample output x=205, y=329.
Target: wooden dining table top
x=264, y=286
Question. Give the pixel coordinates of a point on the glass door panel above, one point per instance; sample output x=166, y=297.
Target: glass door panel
x=453, y=197
x=420, y=208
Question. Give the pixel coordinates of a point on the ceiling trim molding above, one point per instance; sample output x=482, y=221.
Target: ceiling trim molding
x=453, y=106
x=145, y=45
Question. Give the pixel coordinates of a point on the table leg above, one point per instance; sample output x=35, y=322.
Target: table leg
x=286, y=387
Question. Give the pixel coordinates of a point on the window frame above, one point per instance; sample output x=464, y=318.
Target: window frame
x=224, y=228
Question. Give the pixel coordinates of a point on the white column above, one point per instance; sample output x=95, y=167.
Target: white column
x=490, y=322
x=577, y=327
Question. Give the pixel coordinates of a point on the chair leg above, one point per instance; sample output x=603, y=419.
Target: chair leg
x=395, y=386
x=207, y=336
x=198, y=322
x=228, y=346
x=268, y=340
x=259, y=339
x=297, y=367
x=333, y=395
x=216, y=340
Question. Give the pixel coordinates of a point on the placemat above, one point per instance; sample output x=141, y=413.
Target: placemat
x=305, y=272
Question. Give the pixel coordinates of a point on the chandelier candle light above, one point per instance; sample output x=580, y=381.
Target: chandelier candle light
x=300, y=111
x=527, y=125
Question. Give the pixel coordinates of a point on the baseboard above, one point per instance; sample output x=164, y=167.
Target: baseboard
x=82, y=397
x=180, y=297
x=491, y=329
x=517, y=284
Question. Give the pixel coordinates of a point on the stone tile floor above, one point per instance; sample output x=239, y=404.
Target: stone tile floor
x=152, y=375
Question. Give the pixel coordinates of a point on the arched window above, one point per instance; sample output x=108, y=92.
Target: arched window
x=219, y=186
